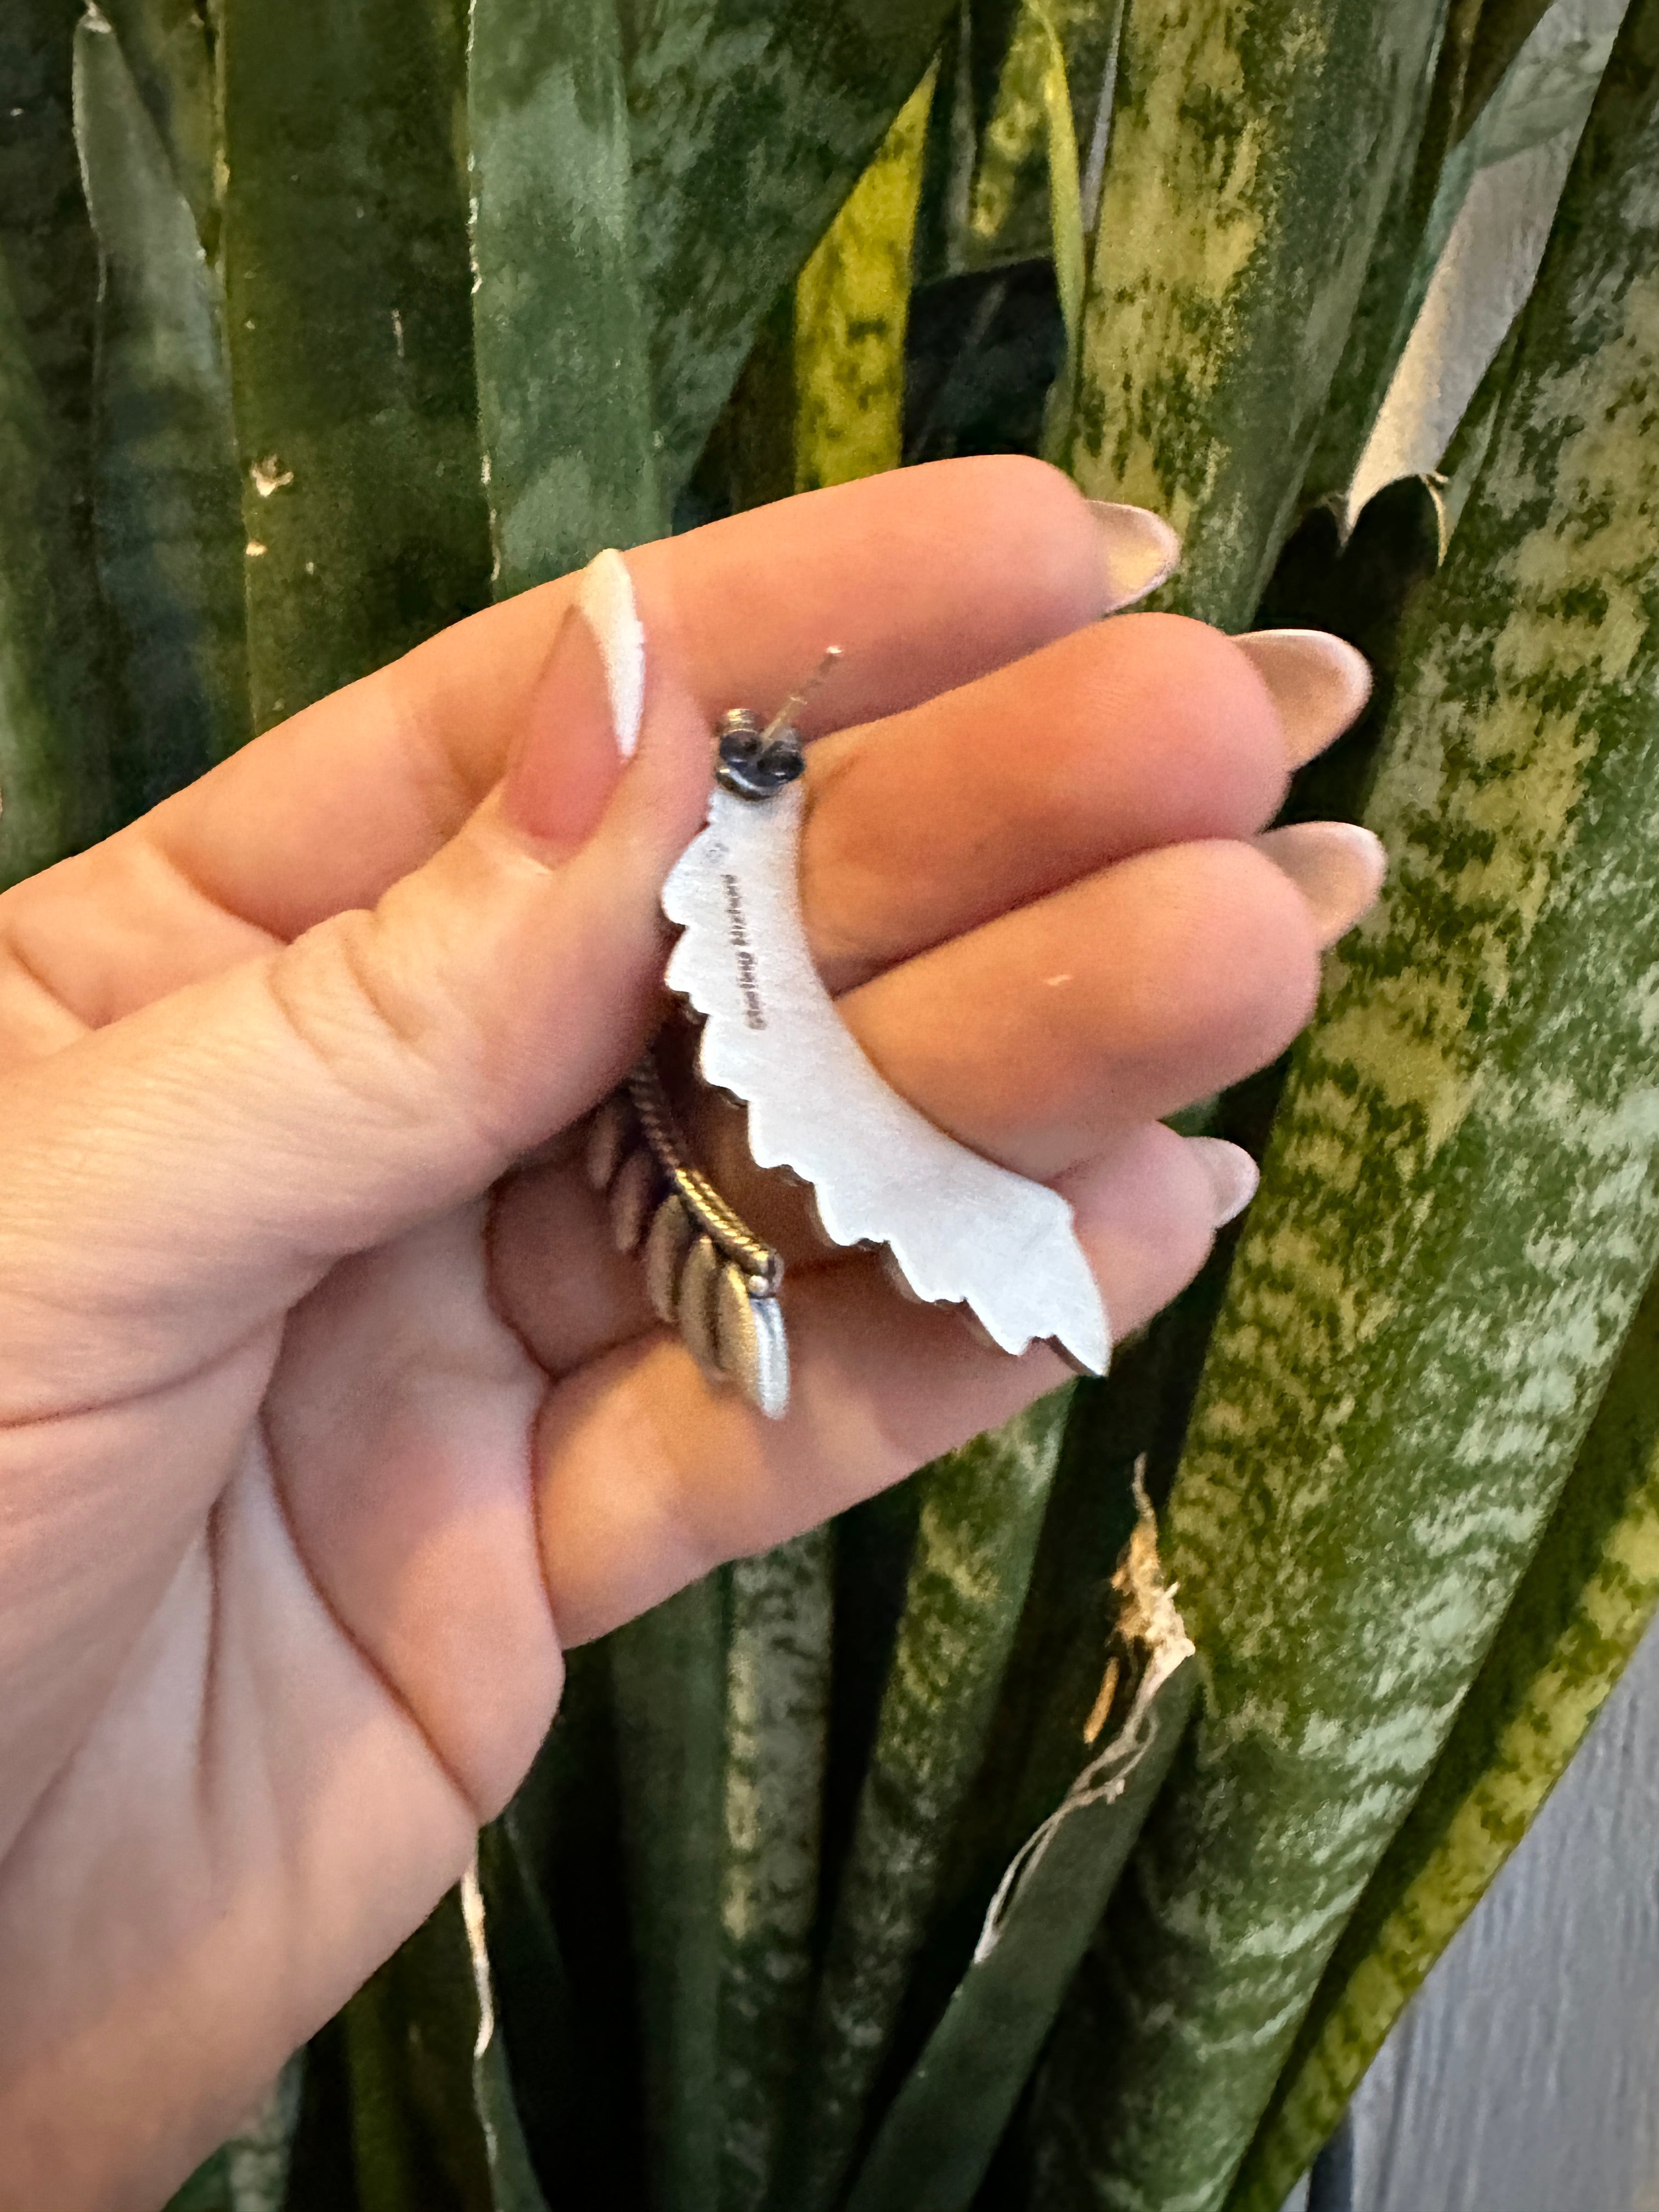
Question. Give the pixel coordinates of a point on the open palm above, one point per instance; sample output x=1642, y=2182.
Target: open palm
x=328, y=1414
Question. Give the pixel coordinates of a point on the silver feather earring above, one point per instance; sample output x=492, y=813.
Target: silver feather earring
x=954, y=1228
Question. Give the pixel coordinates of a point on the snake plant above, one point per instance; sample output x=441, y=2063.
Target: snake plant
x=936, y=1860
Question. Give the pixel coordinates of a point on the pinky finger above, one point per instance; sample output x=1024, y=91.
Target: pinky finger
x=647, y=1477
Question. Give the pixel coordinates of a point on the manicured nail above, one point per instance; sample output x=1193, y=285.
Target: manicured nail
x=606, y=597
x=584, y=718
x=1233, y=1174
x=1142, y=551
x=1319, y=683
x=1337, y=867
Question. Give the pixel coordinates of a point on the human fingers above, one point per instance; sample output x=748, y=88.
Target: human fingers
x=1121, y=998
x=647, y=1477
x=180, y=1176
x=925, y=578
x=1151, y=730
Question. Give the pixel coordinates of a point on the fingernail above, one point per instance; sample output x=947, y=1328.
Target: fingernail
x=1233, y=1174
x=607, y=599
x=1319, y=683
x=1337, y=867
x=1142, y=551
x=584, y=720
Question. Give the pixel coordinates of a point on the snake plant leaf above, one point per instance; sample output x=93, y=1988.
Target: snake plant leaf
x=563, y=378
x=57, y=721
x=1011, y=190
x=543, y=2064
x=552, y=1871
x=346, y=271
x=167, y=499
x=168, y=52
x=250, y=2173
x=47, y=240
x=851, y=305
x=776, y=1720
x=668, y=1672
x=751, y=124
x=1547, y=86
x=981, y=1510
x=1500, y=29
x=940, y=2135
x=1010, y=213
x=1252, y=152
x=1581, y=1609
x=432, y=2126
x=37, y=759
x=1460, y=1216
x=208, y=2189
x=1384, y=311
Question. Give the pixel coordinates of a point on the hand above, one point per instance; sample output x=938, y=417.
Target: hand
x=323, y=1426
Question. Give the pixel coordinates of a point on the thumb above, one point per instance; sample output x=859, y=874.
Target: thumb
x=186, y=1173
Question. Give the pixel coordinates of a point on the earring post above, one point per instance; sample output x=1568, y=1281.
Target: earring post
x=793, y=705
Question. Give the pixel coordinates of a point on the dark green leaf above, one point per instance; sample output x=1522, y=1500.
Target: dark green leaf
x=1253, y=150
x=1501, y=28
x=776, y=1712
x=56, y=721
x=38, y=761
x=351, y=339
x=169, y=52
x=208, y=2189
x=669, y=1673
x=1581, y=1609
x=563, y=381
x=1459, y=1217
x=751, y=124
x=981, y=1510
x=936, y=2144
x=432, y=2124
x=167, y=504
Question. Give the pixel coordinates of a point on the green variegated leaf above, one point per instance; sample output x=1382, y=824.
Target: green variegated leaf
x=1010, y=209
x=981, y=1510
x=563, y=381
x=1500, y=29
x=936, y=2141
x=350, y=325
x=208, y=2189
x=1253, y=149
x=422, y=2119
x=1583, y=1607
x=47, y=239
x=167, y=498
x=1459, y=1215
x=776, y=1716
x=56, y=717
x=751, y=124
x=851, y=306
x=1545, y=86
x=38, y=761
x=669, y=1672
x=167, y=50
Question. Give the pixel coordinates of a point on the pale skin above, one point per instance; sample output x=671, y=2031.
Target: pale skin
x=328, y=1415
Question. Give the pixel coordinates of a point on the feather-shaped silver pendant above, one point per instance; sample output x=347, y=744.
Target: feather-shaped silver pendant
x=706, y=1273
x=960, y=1229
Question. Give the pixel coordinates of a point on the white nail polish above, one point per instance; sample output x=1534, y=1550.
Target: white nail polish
x=1319, y=683
x=1233, y=1174
x=1337, y=867
x=1141, y=550
x=606, y=596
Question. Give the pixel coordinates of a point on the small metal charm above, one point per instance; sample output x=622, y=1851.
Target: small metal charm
x=707, y=1273
x=957, y=1228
